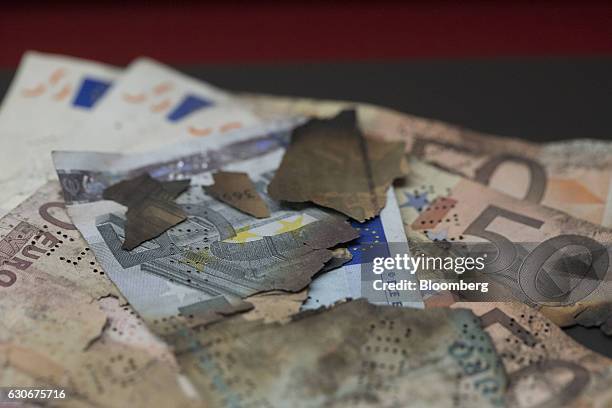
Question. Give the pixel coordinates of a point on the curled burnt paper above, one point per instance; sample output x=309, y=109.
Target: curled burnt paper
x=214, y=309
x=151, y=207
x=329, y=162
x=268, y=305
x=237, y=189
x=286, y=261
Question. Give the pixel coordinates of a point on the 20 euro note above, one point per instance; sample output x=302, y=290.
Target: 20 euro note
x=64, y=325
x=571, y=176
x=537, y=255
x=49, y=95
x=219, y=253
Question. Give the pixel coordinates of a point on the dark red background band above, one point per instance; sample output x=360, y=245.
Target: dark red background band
x=189, y=33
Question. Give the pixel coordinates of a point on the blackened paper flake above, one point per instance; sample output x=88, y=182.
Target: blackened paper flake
x=151, y=207
x=237, y=189
x=329, y=162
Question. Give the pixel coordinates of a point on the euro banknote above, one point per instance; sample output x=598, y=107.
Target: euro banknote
x=354, y=354
x=86, y=105
x=545, y=367
x=165, y=105
x=64, y=325
x=178, y=274
x=541, y=256
x=60, y=92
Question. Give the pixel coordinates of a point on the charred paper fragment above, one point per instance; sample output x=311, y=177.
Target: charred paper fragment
x=340, y=256
x=596, y=313
x=275, y=306
x=599, y=315
x=331, y=163
x=214, y=309
x=265, y=306
x=175, y=187
x=268, y=306
x=287, y=261
x=151, y=207
x=237, y=190
x=354, y=354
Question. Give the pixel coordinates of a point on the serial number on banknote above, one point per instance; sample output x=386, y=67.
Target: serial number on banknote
x=34, y=394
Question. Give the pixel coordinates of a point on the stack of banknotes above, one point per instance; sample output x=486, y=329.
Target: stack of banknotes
x=166, y=243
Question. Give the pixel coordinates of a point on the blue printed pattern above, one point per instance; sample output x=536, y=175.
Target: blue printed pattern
x=371, y=243
x=189, y=104
x=90, y=91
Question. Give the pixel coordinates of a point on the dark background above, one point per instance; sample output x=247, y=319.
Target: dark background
x=540, y=71
x=540, y=99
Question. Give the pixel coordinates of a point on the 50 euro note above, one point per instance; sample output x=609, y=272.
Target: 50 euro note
x=153, y=105
x=58, y=102
x=572, y=176
x=64, y=325
x=538, y=255
x=544, y=366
